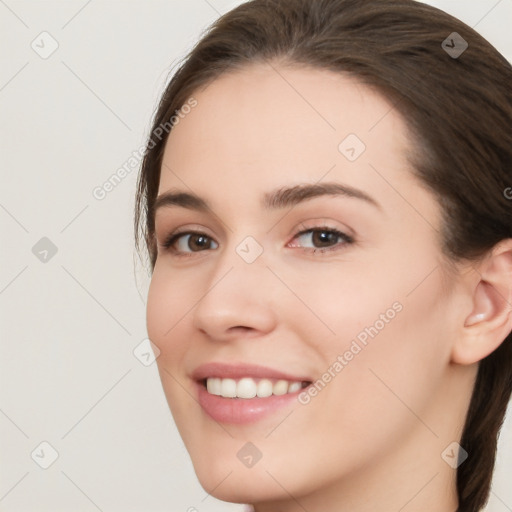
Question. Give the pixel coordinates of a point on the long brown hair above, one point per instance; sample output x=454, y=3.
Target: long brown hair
x=457, y=101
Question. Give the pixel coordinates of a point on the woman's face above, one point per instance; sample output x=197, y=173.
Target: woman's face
x=340, y=291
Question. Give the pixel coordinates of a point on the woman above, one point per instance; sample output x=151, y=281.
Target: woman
x=326, y=204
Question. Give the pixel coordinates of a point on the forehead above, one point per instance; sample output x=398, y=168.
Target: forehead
x=265, y=97
x=267, y=125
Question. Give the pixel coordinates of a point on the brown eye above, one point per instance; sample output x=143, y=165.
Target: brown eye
x=188, y=242
x=322, y=238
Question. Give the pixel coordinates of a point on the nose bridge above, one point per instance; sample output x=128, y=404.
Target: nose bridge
x=237, y=292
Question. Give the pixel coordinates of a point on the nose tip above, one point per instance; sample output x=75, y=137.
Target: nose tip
x=238, y=304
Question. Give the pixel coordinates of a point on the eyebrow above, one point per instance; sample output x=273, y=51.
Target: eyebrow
x=280, y=198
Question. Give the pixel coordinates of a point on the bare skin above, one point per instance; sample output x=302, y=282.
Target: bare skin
x=372, y=439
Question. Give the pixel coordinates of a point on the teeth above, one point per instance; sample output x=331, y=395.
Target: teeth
x=294, y=386
x=250, y=388
x=280, y=388
x=228, y=388
x=213, y=386
x=264, y=388
x=246, y=388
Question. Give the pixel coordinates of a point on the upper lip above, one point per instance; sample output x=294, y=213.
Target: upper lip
x=240, y=370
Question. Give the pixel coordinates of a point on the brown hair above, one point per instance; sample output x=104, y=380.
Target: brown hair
x=458, y=107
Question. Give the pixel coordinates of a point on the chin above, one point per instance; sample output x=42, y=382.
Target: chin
x=241, y=486
x=224, y=476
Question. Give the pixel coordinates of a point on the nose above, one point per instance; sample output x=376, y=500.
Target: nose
x=237, y=300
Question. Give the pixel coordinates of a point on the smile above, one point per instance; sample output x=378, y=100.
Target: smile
x=248, y=387
x=245, y=393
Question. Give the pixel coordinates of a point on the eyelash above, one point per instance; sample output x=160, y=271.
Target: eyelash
x=348, y=240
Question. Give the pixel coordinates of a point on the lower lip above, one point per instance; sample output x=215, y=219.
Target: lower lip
x=242, y=410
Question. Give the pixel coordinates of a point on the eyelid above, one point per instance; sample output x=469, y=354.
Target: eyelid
x=174, y=236
x=323, y=223
x=188, y=228
x=347, y=239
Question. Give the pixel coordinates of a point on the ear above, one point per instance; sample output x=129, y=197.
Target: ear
x=490, y=321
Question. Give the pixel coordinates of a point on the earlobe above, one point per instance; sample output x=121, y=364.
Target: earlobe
x=490, y=320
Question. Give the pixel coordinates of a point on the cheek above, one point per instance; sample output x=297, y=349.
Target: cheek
x=165, y=314
x=158, y=311
x=166, y=323
x=394, y=342
x=403, y=354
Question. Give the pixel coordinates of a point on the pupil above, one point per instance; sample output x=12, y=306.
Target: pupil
x=323, y=237
x=200, y=241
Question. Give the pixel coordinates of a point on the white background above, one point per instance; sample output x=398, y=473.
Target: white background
x=69, y=325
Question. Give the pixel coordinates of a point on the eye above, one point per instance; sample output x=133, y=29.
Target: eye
x=188, y=242
x=322, y=239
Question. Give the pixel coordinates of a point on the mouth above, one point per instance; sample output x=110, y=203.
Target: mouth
x=244, y=393
x=248, y=387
